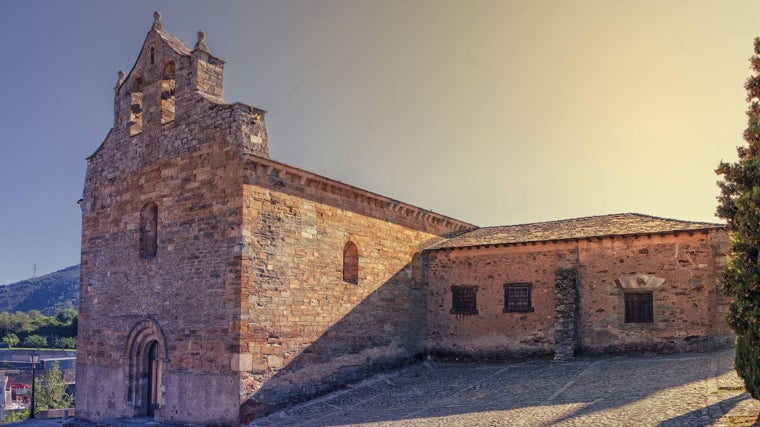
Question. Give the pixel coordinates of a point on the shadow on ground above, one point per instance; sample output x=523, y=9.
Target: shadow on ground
x=678, y=390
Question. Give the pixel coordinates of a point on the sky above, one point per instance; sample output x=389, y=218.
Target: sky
x=492, y=112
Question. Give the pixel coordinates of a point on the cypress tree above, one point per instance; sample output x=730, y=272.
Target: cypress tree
x=739, y=205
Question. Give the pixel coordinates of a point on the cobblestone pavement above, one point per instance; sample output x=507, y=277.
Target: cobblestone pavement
x=679, y=390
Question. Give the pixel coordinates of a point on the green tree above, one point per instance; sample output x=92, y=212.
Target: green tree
x=10, y=340
x=18, y=323
x=65, y=343
x=37, y=319
x=739, y=204
x=66, y=316
x=35, y=341
x=50, y=390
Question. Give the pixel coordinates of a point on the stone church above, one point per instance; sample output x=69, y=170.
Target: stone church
x=218, y=284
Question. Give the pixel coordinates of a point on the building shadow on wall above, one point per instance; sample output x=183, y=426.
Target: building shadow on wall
x=386, y=330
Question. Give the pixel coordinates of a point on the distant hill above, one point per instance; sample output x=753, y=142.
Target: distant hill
x=48, y=293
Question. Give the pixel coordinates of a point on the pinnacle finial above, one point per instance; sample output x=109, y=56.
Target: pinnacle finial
x=156, y=21
x=121, y=78
x=201, y=44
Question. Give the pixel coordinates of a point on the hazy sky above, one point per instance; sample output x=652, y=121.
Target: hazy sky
x=493, y=112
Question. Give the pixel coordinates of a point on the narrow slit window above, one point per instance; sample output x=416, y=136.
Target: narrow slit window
x=149, y=231
x=351, y=263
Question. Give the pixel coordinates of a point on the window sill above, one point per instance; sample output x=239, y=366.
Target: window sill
x=464, y=313
x=651, y=326
x=522, y=310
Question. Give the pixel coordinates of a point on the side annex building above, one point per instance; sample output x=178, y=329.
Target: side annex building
x=210, y=269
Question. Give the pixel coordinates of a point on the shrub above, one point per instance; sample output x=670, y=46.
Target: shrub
x=65, y=343
x=10, y=340
x=35, y=341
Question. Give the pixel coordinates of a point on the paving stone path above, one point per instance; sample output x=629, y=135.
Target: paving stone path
x=679, y=390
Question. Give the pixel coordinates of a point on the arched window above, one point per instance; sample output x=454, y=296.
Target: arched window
x=148, y=231
x=351, y=263
x=136, y=110
x=167, y=92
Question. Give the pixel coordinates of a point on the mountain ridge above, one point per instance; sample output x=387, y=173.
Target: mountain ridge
x=48, y=293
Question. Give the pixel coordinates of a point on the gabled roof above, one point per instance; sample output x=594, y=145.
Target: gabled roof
x=175, y=43
x=568, y=229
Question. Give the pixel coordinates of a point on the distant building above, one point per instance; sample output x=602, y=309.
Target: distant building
x=218, y=284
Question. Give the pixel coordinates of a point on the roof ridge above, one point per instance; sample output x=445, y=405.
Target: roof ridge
x=542, y=222
x=618, y=224
x=673, y=219
x=620, y=214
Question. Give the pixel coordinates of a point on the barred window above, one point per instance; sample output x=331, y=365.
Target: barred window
x=517, y=298
x=639, y=307
x=463, y=300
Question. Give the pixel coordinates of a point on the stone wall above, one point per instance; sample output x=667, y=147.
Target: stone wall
x=681, y=271
x=492, y=333
x=190, y=165
x=188, y=288
x=304, y=329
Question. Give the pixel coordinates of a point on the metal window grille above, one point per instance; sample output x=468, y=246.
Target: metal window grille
x=517, y=297
x=639, y=307
x=463, y=300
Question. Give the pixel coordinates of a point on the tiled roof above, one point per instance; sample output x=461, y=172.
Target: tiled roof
x=578, y=228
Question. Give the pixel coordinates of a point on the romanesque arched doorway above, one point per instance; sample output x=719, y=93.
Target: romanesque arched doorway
x=146, y=350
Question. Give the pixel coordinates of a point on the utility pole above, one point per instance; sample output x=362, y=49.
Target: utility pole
x=34, y=271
